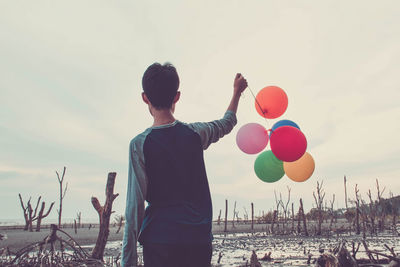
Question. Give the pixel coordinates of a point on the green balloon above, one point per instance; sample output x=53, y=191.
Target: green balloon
x=268, y=168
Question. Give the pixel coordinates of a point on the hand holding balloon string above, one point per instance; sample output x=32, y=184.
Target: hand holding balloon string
x=258, y=104
x=239, y=84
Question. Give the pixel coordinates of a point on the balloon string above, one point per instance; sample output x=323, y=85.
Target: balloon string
x=266, y=121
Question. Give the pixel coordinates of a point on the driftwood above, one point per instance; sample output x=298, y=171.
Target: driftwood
x=104, y=216
x=341, y=257
x=43, y=253
x=266, y=257
x=254, y=260
x=370, y=253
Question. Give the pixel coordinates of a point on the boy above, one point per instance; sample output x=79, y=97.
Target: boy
x=166, y=168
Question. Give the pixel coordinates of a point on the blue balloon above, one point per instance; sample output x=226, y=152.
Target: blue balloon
x=284, y=123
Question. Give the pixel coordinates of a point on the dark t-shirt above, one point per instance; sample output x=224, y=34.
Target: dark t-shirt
x=166, y=168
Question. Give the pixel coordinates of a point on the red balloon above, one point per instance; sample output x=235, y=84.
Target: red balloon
x=288, y=143
x=271, y=102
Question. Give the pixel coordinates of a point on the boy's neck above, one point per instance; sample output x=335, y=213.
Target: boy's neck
x=162, y=117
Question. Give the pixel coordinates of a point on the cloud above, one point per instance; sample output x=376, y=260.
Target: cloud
x=71, y=83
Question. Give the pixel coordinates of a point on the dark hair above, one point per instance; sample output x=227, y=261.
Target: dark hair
x=160, y=84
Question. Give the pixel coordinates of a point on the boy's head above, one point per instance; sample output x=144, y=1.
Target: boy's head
x=160, y=85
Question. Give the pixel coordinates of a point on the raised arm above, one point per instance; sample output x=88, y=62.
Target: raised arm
x=211, y=132
x=239, y=85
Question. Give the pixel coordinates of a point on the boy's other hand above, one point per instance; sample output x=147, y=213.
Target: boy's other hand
x=239, y=85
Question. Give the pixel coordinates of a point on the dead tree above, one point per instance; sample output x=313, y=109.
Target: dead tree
x=285, y=208
x=104, y=216
x=226, y=216
x=299, y=221
x=237, y=216
x=319, y=201
x=357, y=202
x=62, y=194
x=364, y=216
x=120, y=221
x=277, y=203
x=219, y=217
x=332, y=212
x=292, y=217
x=382, y=214
x=245, y=215
x=234, y=213
x=78, y=218
x=394, y=214
x=345, y=193
x=252, y=216
x=274, y=218
x=26, y=211
x=372, y=211
x=303, y=217
x=31, y=215
x=41, y=215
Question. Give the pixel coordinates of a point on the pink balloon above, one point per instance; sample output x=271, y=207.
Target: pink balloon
x=288, y=143
x=252, y=138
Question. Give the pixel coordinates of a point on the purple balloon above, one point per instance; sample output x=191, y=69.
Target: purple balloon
x=252, y=138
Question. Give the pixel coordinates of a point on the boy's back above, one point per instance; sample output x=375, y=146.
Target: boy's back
x=166, y=168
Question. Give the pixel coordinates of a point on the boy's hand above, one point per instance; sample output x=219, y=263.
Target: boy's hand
x=239, y=85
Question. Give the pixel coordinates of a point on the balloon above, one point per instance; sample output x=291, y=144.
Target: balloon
x=288, y=143
x=301, y=169
x=268, y=168
x=252, y=138
x=271, y=102
x=284, y=123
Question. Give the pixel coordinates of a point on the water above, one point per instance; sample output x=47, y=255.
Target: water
x=236, y=249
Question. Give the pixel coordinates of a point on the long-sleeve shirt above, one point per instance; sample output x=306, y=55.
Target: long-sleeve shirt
x=166, y=168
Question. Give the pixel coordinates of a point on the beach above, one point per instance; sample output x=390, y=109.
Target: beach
x=232, y=248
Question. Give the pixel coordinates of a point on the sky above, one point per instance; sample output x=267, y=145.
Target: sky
x=70, y=85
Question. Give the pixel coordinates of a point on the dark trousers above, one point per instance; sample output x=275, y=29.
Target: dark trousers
x=168, y=255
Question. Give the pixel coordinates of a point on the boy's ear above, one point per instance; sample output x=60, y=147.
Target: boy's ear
x=145, y=99
x=177, y=96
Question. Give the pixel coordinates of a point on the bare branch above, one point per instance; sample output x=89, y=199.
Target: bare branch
x=65, y=190
x=22, y=203
x=63, y=173
x=37, y=205
x=47, y=213
x=96, y=205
